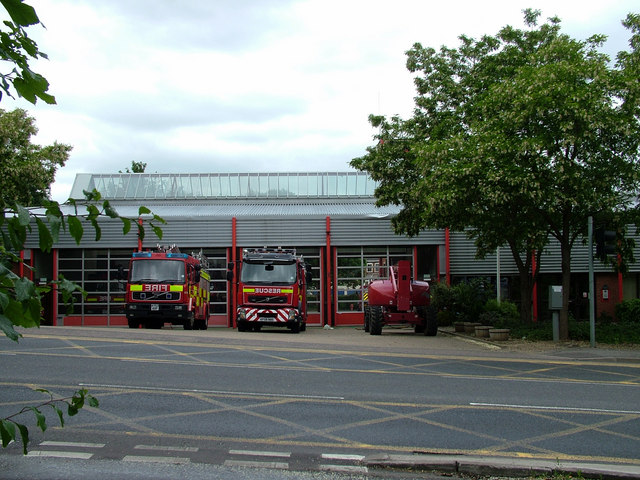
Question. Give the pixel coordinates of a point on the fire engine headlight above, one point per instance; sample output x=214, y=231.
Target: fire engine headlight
x=242, y=314
x=292, y=314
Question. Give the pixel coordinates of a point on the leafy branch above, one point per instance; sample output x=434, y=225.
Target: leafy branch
x=21, y=299
x=10, y=429
x=17, y=48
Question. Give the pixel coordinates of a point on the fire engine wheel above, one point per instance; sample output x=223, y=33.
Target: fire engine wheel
x=242, y=326
x=295, y=327
x=133, y=323
x=367, y=318
x=430, y=321
x=375, y=324
x=201, y=324
x=189, y=321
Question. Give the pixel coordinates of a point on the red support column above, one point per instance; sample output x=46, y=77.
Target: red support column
x=328, y=289
x=620, y=287
x=54, y=289
x=447, y=254
x=139, y=238
x=234, y=249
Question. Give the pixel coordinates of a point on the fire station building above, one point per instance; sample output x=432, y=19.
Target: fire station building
x=330, y=218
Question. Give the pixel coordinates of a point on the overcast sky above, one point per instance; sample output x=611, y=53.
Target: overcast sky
x=249, y=85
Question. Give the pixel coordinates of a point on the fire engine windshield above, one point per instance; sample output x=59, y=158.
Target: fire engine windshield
x=157, y=271
x=268, y=274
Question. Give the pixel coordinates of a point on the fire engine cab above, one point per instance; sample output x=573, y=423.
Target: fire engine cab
x=167, y=286
x=271, y=289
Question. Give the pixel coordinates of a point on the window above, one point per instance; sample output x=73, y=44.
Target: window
x=358, y=266
x=96, y=271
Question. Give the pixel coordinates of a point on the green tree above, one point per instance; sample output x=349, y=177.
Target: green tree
x=514, y=137
x=21, y=299
x=16, y=49
x=26, y=170
x=26, y=173
x=136, y=167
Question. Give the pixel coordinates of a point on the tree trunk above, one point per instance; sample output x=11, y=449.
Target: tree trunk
x=565, y=249
x=526, y=294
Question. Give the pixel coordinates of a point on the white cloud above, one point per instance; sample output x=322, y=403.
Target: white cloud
x=248, y=85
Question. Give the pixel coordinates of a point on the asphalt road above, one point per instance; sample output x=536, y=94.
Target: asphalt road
x=322, y=400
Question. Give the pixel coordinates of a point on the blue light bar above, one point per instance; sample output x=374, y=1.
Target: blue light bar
x=177, y=255
x=141, y=254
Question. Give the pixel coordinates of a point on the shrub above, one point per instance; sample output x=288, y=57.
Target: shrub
x=501, y=315
x=463, y=301
x=628, y=311
x=445, y=318
x=442, y=297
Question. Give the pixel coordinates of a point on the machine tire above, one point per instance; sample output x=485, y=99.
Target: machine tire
x=375, y=327
x=430, y=319
x=242, y=326
x=303, y=326
x=189, y=321
x=133, y=323
x=295, y=327
x=367, y=318
x=202, y=323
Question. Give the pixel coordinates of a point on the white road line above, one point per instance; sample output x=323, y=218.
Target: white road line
x=147, y=459
x=276, y=465
x=259, y=453
x=343, y=468
x=214, y=392
x=60, y=454
x=340, y=456
x=51, y=443
x=542, y=407
x=166, y=449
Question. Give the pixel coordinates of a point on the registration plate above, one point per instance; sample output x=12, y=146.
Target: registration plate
x=155, y=307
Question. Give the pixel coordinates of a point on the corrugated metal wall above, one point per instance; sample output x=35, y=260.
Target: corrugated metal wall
x=274, y=232
x=463, y=261
x=182, y=232
x=377, y=231
x=311, y=231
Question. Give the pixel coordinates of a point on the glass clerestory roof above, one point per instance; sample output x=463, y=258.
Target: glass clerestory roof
x=160, y=186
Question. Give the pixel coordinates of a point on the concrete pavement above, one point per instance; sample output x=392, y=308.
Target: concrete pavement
x=445, y=343
x=523, y=467
x=503, y=466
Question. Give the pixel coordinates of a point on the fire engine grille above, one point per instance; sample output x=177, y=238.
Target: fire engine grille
x=268, y=299
x=156, y=296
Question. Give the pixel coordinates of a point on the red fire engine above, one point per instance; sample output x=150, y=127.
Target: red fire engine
x=167, y=286
x=271, y=290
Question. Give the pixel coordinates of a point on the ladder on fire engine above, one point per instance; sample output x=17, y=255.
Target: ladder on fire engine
x=202, y=258
x=168, y=248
